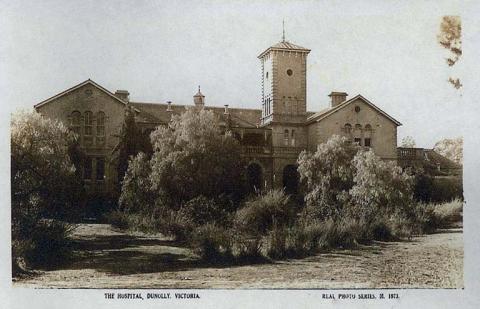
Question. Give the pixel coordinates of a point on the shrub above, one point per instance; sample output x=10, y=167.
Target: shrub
x=50, y=244
x=118, y=219
x=277, y=242
x=211, y=242
x=202, y=210
x=448, y=213
x=260, y=213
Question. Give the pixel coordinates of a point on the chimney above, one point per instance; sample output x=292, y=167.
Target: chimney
x=122, y=95
x=337, y=98
x=169, y=106
x=226, y=109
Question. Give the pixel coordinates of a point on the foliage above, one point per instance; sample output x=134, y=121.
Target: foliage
x=211, y=242
x=408, y=142
x=131, y=142
x=328, y=176
x=263, y=212
x=136, y=194
x=451, y=149
x=192, y=158
x=41, y=168
x=446, y=214
x=380, y=187
x=43, y=184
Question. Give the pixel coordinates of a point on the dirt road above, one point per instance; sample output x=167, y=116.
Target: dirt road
x=105, y=258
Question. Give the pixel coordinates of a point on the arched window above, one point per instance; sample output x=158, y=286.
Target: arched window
x=285, y=137
x=293, y=137
x=367, y=141
x=348, y=128
x=88, y=123
x=100, y=124
x=357, y=138
x=76, y=122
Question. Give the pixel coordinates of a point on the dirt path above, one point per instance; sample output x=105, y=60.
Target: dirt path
x=109, y=259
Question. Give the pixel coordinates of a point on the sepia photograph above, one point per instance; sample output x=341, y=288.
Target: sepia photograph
x=192, y=146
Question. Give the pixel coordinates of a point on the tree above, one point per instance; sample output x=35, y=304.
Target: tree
x=43, y=185
x=328, y=176
x=42, y=168
x=451, y=149
x=131, y=142
x=193, y=157
x=379, y=186
x=408, y=142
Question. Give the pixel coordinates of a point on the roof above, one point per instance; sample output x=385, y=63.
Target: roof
x=285, y=45
x=329, y=111
x=88, y=81
x=157, y=113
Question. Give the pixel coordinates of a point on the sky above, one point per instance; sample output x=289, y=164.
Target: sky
x=162, y=50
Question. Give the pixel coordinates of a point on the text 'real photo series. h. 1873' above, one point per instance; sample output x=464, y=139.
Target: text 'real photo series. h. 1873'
x=109, y=191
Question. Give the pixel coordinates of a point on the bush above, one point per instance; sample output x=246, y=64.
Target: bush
x=262, y=212
x=202, y=210
x=118, y=219
x=50, y=244
x=447, y=214
x=211, y=242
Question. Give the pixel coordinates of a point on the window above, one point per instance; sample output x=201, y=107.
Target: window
x=289, y=72
x=87, y=169
x=348, y=128
x=293, y=137
x=368, y=142
x=358, y=140
x=88, y=123
x=358, y=127
x=100, y=124
x=368, y=127
x=285, y=138
x=100, y=169
x=76, y=122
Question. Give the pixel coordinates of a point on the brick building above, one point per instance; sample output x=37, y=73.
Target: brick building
x=271, y=136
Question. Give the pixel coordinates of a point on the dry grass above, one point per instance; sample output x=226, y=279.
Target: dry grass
x=107, y=258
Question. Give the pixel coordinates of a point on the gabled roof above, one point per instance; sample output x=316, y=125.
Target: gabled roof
x=329, y=111
x=284, y=45
x=88, y=81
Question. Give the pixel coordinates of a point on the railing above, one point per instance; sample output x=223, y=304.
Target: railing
x=410, y=153
x=256, y=150
x=286, y=149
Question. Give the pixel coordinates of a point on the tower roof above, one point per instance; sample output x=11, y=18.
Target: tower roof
x=199, y=94
x=285, y=46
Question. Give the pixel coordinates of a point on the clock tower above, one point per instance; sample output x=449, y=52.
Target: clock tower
x=284, y=87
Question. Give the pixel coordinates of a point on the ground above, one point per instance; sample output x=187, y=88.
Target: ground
x=108, y=258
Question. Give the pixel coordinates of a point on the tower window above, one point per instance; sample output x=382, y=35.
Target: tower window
x=266, y=75
x=293, y=137
x=285, y=137
x=289, y=72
